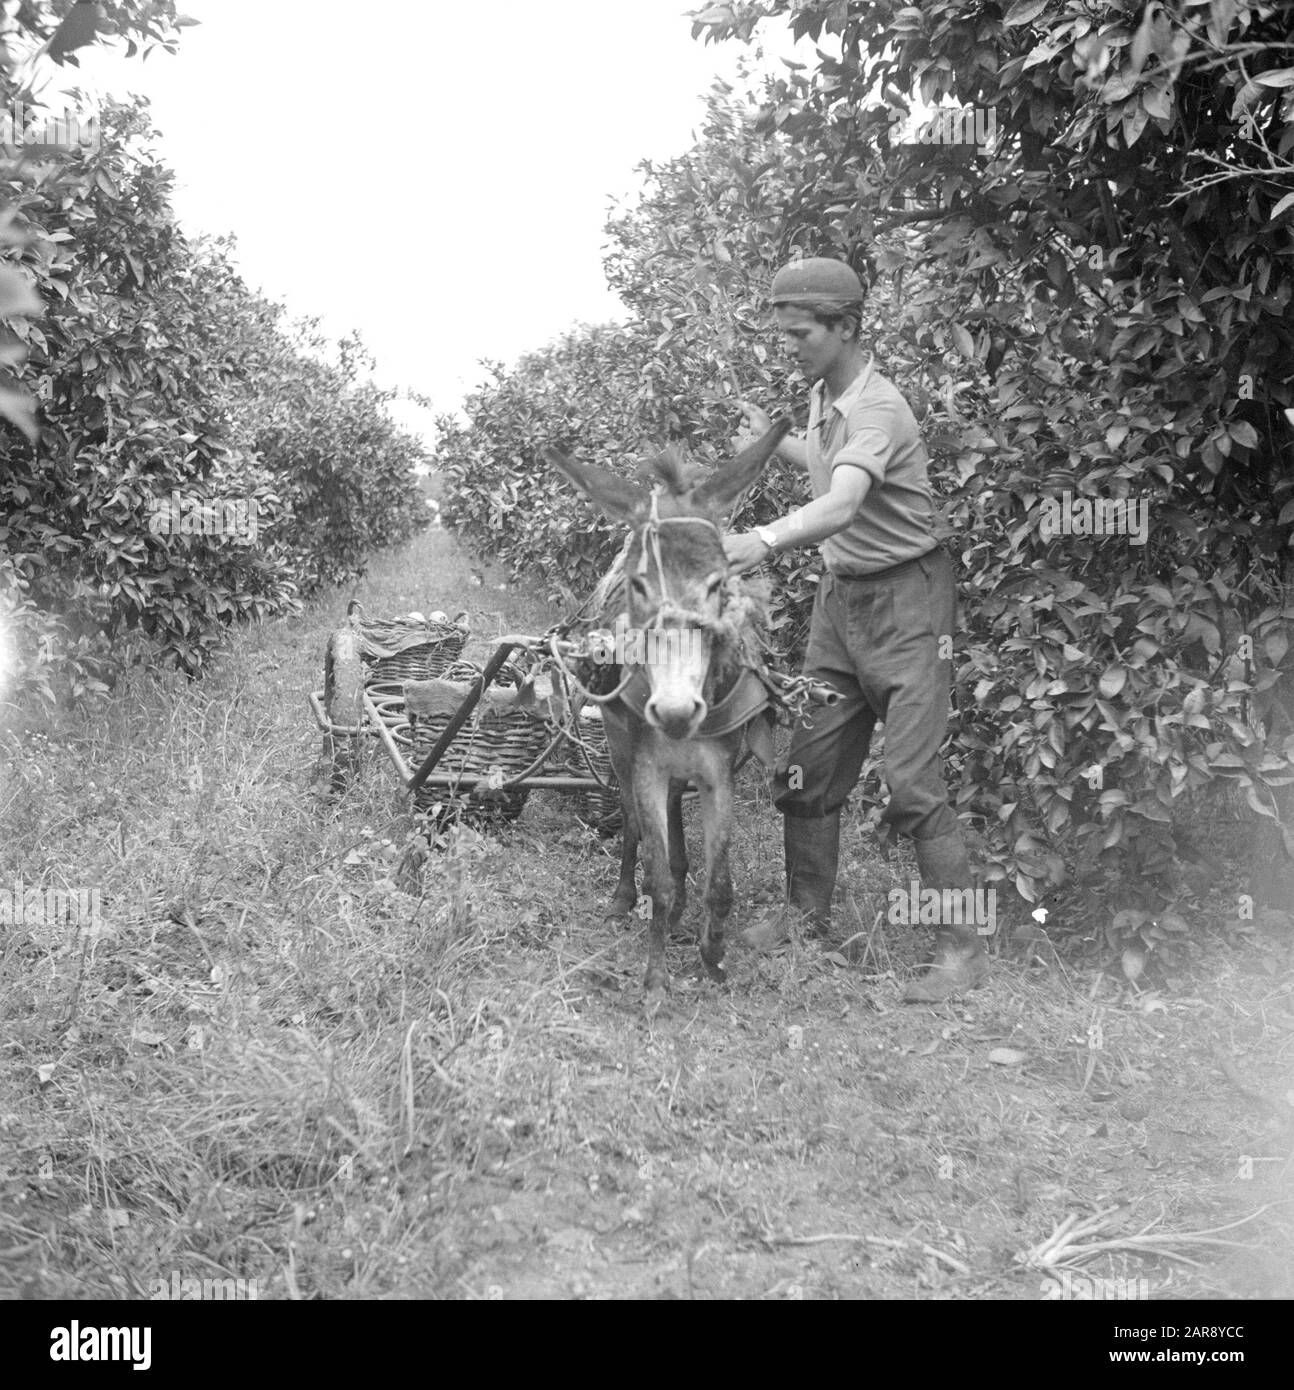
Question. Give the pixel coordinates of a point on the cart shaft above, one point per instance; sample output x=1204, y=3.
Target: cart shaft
x=460, y=717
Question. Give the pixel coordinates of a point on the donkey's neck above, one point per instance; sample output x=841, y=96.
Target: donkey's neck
x=726, y=666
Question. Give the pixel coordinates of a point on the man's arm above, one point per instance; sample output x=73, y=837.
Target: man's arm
x=793, y=450
x=822, y=517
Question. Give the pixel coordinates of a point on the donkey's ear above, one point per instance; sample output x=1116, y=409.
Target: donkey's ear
x=731, y=479
x=614, y=495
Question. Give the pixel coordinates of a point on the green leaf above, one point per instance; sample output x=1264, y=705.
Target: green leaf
x=1113, y=680
x=1134, y=121
x=1133, y=961
x=1279, y=77
x=965, y=343
x=1243, y=433
x=1128, y=920
x=1158, y=102
x=1023, y=12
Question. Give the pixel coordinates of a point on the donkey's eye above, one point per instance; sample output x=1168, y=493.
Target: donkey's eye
x=713, y=585
x=638, y=586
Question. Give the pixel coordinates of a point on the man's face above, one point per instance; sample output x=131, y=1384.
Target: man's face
x=811, y=345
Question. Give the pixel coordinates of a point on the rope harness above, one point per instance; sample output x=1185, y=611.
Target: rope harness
x=755, y=689
x=650, y=540
x=750, y=694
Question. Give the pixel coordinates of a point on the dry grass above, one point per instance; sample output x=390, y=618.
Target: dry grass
x=271, y=1062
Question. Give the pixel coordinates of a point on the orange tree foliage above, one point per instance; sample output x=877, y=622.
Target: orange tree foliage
x=137, y=365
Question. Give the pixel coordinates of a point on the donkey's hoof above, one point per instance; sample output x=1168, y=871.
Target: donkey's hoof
x=655, y=991
x=712, y=958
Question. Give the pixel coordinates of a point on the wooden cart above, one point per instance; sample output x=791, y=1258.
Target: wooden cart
x=463, y=739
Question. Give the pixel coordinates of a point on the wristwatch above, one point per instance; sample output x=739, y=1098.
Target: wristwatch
x=768, y=536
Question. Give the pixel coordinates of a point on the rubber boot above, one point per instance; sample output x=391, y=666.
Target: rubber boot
x=812, y=846
x=960, y=961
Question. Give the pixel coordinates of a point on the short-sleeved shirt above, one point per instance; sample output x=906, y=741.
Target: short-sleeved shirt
x=871, y=426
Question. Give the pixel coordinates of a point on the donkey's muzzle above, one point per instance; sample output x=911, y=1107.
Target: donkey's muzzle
x=676, y=718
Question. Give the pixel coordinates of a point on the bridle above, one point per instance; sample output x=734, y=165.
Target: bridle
x=750, y=693
x=649, y=539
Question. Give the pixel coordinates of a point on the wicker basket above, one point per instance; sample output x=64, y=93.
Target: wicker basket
x=401, y=649
x=500, y=737
x=598, y=809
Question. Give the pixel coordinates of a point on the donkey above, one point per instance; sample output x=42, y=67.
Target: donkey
x=692, y=687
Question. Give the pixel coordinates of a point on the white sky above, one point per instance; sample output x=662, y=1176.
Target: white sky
x=434, y=174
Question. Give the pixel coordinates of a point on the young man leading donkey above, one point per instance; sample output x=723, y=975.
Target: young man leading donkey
x=885, y=601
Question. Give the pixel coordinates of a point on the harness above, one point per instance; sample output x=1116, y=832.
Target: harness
x=749, y=696
x=752, y=702
x=651, y=550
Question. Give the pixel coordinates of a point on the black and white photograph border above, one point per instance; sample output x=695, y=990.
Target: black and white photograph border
x=646, y=654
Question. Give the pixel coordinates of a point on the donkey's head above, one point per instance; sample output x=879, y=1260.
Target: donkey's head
x=674, y=569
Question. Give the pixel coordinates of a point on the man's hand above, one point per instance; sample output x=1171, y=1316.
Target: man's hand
x=744, y=551
x=755, y=423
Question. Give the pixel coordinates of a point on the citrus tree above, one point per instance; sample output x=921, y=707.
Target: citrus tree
x=1115, y=345
x=151, y=397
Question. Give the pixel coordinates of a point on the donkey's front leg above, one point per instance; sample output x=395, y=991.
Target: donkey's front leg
x=677, y=853
x=626, y=894
x=716, y=815
x=619, y=747
x=650, y=794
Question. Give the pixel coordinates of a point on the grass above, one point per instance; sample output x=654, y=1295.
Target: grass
x=269, y=1061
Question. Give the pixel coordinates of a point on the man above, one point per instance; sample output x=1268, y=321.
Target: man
x=882, y=607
